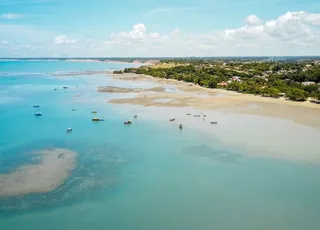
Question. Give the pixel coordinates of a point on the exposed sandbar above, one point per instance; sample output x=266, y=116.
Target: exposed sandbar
x=54, y=167
x=114, y=89
x=191, y=95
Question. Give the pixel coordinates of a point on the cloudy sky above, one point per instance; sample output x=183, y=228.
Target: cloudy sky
x=82, y=28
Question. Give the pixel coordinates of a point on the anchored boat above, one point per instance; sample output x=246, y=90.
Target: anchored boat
x=95, y=119
x=128, y=122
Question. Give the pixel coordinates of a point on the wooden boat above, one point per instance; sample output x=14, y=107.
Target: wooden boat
x=95, y=119
x=128, y=122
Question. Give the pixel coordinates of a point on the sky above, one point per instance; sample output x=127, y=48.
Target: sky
x=159, y=28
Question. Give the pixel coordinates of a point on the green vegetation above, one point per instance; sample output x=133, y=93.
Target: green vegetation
x=295, y=80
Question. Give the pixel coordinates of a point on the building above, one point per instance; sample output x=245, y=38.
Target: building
x=223, y=84
x=306, y=83
x=236, y=78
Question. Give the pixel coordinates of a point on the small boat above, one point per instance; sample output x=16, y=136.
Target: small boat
x=196, y=115
x=38, y=114
x=95, y=119
x=136, y=116
x=213, y=122
x=180, y=126
x=69, y=130
x=73, y=109
x=204, y=115
x=55, y=89
x=94, y=111
x=36, y=106
x=65, y=87
x=188, y=114
x=128, y=122
x=172, y=119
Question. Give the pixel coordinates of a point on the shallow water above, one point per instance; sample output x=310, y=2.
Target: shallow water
x=149, y=175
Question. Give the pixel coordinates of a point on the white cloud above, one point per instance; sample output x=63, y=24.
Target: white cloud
x=63, y=40
x=293, y=33
x=253, y=20
x=11, y=16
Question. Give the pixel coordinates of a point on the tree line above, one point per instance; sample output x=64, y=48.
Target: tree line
x=280, y=79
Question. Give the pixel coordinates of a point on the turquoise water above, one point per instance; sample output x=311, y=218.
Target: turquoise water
x=144, y=176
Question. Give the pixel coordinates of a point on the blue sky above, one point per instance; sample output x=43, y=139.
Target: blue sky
x=70, y=28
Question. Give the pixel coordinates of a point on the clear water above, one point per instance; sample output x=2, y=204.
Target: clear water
x=149, y=175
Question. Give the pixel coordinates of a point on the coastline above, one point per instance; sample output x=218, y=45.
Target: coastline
x=190, y=95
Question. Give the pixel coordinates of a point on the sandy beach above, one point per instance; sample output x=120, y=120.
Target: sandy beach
x=190, y=95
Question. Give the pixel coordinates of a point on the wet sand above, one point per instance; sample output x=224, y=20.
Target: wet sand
x=190, y=95
x=54, y=167
x=114, y=89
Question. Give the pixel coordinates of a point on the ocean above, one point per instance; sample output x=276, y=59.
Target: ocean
x=147, y=175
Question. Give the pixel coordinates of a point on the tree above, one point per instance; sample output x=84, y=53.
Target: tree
x=271, y=92
x=118, y=72
x=311, y=88
x=295, y=94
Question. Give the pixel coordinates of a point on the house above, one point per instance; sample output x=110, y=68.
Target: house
x=223, y=84
x=236, y=78
x=306, y=83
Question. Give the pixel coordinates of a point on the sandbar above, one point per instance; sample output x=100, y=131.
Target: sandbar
x=190, y=95
x=54, y=167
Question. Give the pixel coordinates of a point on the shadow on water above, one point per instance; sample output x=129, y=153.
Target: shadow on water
x=95, y=177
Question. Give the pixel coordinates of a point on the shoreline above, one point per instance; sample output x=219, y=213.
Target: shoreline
x=187, y=95
x=258, y=98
